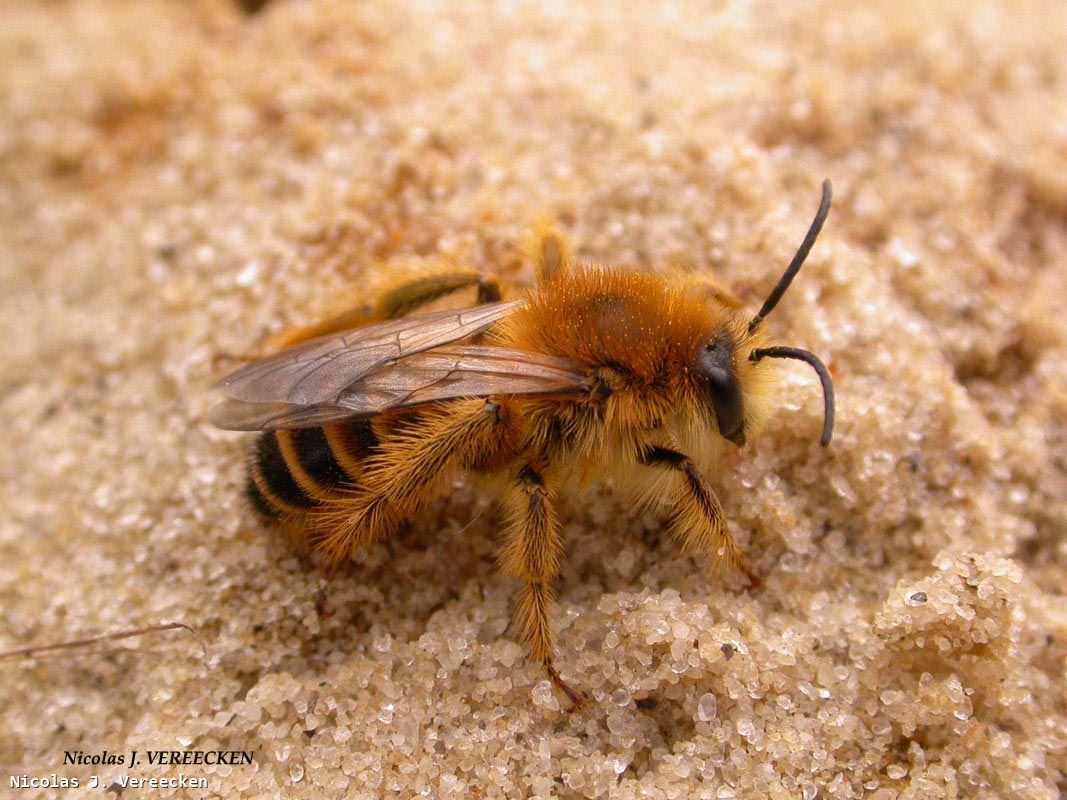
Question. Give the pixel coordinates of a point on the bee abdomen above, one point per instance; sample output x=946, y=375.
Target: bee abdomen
x=258, y=498
x=293, y=471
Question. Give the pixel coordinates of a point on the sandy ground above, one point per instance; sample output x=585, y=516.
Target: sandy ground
x=178, y=181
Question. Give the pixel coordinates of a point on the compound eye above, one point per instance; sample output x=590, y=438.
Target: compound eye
x=715, y=363
x=720, y=379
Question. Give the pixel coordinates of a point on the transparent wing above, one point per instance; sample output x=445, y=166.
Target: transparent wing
x=319, y=370
x=441, y=374
x=238, y=415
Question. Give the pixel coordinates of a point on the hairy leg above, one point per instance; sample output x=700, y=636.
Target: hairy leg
x=407, y=469
x=532, y=551
x=547, y=250
x=711, y=289
x=696, y=517
x=411, y=288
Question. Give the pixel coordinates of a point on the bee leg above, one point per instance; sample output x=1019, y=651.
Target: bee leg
x=707, y=287
x=345, y=320
x=546, y=248
x=532, y=551
x=697, y=519
x=412, y=287
x=409, y=470
x=415, y=288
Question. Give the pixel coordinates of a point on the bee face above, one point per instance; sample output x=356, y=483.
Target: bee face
x=715, y=366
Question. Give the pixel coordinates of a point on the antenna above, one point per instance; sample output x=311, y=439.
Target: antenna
x=798, y=259
x=824, y=378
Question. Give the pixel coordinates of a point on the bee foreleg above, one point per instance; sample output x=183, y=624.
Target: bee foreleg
x=532, y=551
x=706, y=286
x=696, y=516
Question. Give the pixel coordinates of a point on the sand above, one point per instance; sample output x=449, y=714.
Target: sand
x=179, y=181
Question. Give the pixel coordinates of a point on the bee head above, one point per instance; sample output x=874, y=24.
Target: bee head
x=716, y=364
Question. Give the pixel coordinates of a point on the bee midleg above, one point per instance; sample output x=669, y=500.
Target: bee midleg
x=696, y=517
x=407, y=469
x=403, y=294
x=548, y=250
x=532, y=551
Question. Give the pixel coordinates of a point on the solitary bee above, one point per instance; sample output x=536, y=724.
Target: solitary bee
x=594, y=372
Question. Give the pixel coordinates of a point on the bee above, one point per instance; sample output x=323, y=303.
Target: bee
x=592, y=373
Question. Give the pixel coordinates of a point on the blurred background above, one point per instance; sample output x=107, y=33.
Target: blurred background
x=179, y=180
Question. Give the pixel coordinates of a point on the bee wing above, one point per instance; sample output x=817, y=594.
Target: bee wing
x=441, y=374
x=318, y=371
x=240, y=415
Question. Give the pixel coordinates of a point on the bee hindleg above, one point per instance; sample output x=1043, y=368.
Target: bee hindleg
x=429, y=281
x=697, y=518
x=407, y=472
x=532, y=551
x=411, y=288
